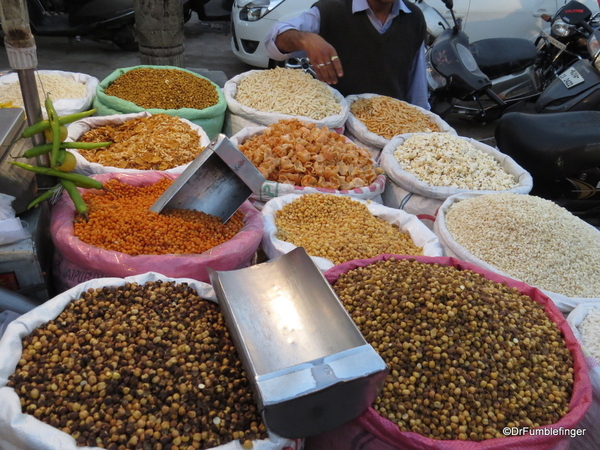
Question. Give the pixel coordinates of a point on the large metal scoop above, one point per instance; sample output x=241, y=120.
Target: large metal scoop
x=217, y=182
x=310, y=366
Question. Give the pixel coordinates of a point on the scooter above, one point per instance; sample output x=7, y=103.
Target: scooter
x=98, y=20
x=561, y=151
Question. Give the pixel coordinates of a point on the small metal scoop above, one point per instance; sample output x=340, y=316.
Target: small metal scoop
x=217, y=182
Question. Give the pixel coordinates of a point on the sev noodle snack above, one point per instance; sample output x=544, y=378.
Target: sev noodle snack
x=302, y=154
x=388, y=117
x=287, y=91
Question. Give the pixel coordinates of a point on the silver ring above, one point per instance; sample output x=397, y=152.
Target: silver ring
x=328, y=62
x=320, y=65
x=334, y=57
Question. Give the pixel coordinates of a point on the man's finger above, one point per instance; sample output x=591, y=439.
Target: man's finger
x=337, y=65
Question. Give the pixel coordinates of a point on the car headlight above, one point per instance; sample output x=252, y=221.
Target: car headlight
x=593, y=45
x=257, y=9
x=561, y=28
x=435, y=80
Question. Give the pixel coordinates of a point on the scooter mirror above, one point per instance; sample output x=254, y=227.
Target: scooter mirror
x=449, y=4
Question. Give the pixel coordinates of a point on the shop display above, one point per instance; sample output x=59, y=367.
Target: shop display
x=157, y=88
x=300, y=153
x=388, y=117
x=157, y=142
x=527, y=237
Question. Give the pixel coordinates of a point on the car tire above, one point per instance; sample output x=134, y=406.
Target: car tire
x=273, y=64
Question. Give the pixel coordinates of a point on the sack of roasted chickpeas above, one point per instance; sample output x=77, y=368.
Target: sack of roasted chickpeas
x=527, y=238
x=136, y=142
x=300, y=157
x=139, y=362
x=375, y=119
x=123, y=237
x=335, y=228
x=585, y=324
x=476, y=360
x=424, y=169
x=263, y=97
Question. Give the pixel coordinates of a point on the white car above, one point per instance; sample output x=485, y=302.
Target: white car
x=251, y=20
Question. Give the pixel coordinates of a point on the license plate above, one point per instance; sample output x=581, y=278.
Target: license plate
x=554, y=41
x=571, y=77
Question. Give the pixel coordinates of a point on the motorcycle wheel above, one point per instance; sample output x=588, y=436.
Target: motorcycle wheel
x=124, y=38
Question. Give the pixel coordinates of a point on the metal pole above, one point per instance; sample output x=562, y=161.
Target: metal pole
x=159, y=31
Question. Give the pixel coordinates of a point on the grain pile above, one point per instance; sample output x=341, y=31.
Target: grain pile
x=287, y=91
x=147, y=366
x=388, y=117
x=300, y=153
x=441, y=159
x=590, y=332
x=158, y=142
x=531, y=239
x=120, y=220
x=467, y=356
x=56, y=86
x=151, y=88
x=339, y=229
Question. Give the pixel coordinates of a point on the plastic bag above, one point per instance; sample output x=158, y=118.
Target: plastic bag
x=272, y=189
x=370, y=431
x=77, y=129
x=407, y=223
x=240, y=116
x=210, y=119
x=11, y=228
x=591, y=439
x=404, y=190
x=452, y=248
x=77, y=261
x=65, y=106
x=20, y=431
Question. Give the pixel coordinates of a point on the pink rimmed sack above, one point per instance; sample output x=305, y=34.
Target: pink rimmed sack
x=370, y=431
x=76, y=261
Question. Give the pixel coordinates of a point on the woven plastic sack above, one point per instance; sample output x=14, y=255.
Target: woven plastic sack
x=210, y=119
x=272, y=189
x=77, y=261
x=64, y=106
x=407, y=223
x=77, y=129
x=240, y=116
x=358, y=131
x=370, y=431
x=590, y=440
x=19, y=431
x=404, y=190
x=452, y=248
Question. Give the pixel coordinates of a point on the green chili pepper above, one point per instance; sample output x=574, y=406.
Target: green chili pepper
x=78, y=179
x=45, y=196
x=46, y=148
x=76, y=197
x=44, y=124
x=54, y=125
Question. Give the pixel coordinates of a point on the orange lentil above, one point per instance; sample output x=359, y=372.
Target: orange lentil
x=121, y=221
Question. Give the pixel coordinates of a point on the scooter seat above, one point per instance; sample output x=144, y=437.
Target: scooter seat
x=550, y=145
x=503, y=56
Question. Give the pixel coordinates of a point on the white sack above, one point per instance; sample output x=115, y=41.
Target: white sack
x=239, y=116
x=591, y=439
x=65, y=106
x=359, y=131
x=452, y=248
x=407, y=223
x=272, y=189
x=20, y=431
x=80, y=127
x=404, y=190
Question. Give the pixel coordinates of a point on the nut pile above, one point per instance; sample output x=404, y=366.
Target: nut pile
x=139, y=367
x=57, y=87
x=158, y=142
x=389, y=117
x=339, y=229
x=151, y=88
x=121, y=220
x=287, y=91
x=302, y=154
x=441, y=159
x=531, y=239
x=467, y=356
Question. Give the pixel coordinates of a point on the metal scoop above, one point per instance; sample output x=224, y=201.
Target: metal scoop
x=217, y=182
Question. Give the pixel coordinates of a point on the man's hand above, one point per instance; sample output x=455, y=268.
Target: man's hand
x=322, y=55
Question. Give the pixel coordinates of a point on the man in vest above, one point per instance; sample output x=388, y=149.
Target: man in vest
x=379, y=42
